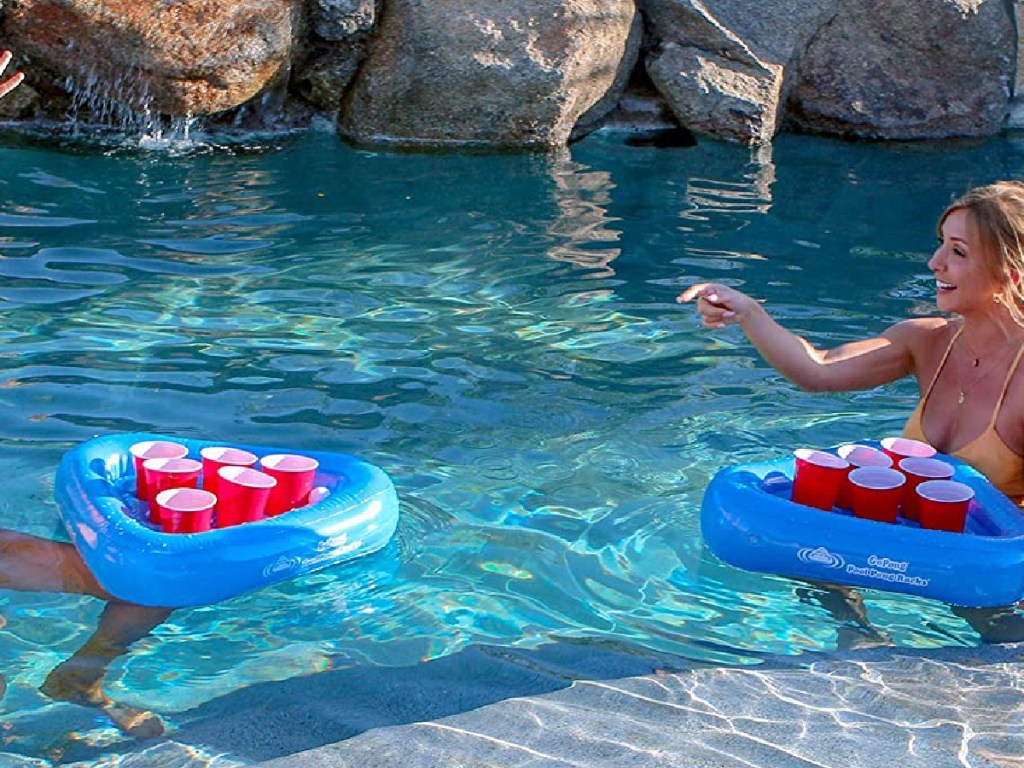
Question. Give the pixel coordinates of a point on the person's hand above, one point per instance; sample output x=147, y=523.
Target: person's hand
x=12, y=82
x=719, y=305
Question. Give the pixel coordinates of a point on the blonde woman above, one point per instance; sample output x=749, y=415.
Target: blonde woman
x=966, y=361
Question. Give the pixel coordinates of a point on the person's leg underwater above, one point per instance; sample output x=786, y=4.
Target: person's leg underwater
x=31, y=564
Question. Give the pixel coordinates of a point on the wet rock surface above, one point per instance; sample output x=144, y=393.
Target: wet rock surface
x=176, y=56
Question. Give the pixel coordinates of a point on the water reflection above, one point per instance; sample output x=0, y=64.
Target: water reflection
x=584, y=233
x=747, y=190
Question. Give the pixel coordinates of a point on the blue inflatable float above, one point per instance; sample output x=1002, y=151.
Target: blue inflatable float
x=137, y=562
x=748, y=520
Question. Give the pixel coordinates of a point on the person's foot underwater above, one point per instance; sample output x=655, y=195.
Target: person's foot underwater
x=76, y=681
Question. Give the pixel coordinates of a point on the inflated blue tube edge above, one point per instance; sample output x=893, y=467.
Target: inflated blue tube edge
x=136, y=563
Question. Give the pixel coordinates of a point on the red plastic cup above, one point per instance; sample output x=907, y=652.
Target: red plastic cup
x=876, y=493
x=162, y=474
x=243, y=495
x=152, y=449
x=185, y=510
x=943, y=504
x=817, y=478
x=900, y=448
x=919, y=471
x=217, y=456
x=295, y=475
x=858, y=456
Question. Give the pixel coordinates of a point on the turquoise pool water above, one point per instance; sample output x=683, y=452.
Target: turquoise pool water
x=500, y=334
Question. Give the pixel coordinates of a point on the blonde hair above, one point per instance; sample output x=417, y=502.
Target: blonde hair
x=998, y=213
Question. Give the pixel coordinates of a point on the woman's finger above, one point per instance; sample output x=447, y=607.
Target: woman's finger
x=11, y=83
x=715, y=300
x=696, y=291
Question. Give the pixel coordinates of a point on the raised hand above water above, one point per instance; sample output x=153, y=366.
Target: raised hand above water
x=12, y=82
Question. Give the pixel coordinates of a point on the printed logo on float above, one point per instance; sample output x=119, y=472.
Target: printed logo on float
x=820, y=556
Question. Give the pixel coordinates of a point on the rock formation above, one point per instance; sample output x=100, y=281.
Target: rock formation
x=530, y=73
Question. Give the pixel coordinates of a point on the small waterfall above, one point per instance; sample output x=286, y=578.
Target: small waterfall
x=108, y=107
x=121, y=109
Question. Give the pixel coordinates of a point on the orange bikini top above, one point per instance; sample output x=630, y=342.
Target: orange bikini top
x=988, y=452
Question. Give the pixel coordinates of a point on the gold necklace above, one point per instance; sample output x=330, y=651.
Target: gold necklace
x=975, y=361
x=959, y=373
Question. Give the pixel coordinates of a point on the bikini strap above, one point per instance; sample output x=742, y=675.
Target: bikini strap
x=1006, y=385
x=942, y=364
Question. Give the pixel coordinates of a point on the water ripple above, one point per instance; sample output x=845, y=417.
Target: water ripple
x=16, y=220
x=211, y=246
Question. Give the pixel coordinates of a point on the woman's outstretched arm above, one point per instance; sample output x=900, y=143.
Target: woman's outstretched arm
x=856, y=365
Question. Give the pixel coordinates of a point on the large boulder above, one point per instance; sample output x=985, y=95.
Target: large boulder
x=908, y=69
x=721, y=96
x=489, y=73
x=176, y=57
x=723, y=66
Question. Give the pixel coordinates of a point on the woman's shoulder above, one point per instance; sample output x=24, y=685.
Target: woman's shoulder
x=927, y=328
x=924, y=339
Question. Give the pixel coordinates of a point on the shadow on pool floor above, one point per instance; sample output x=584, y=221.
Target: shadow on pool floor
x=268, y=720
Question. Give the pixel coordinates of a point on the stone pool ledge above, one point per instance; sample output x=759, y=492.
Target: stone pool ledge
x=914, y=709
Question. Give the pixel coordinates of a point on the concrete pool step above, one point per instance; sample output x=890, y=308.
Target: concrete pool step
x=915, y=709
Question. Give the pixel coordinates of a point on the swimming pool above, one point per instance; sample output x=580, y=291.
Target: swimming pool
x=500, y=334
